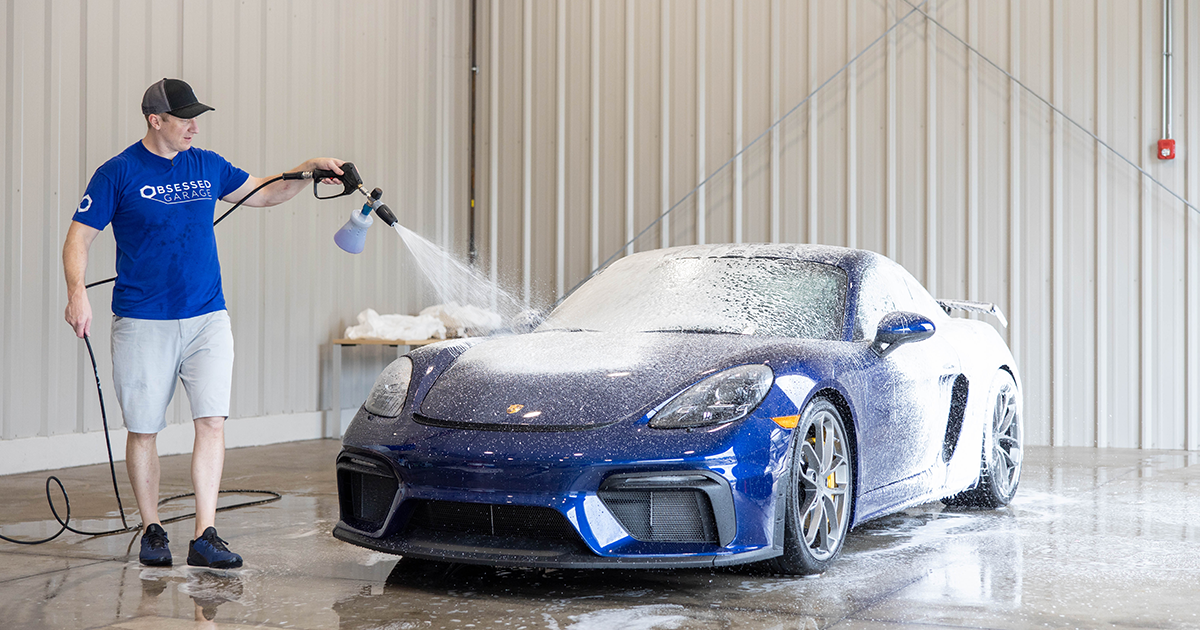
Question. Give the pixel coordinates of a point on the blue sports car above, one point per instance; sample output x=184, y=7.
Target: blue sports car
x=686, y=407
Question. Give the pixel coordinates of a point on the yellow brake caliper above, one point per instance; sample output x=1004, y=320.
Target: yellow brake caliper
x=831, y=480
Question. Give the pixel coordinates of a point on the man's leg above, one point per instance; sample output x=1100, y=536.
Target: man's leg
x=141, y=461
x=145, y=360
x=207, y=373
x=208, y=461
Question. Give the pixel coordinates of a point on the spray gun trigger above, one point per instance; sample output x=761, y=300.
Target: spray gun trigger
x=351, y=180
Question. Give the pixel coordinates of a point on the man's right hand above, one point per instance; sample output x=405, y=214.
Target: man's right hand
x=79, y=315
x=75, y=257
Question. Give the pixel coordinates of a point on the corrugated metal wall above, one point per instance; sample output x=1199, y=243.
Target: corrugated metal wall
x=371, y=82
x=597, y=117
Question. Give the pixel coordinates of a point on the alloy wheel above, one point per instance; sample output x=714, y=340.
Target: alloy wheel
x=825, y=482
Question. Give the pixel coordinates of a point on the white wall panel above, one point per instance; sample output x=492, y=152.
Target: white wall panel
x=380, y=83
x=921, y=149
x=594, y=116
x=1191, y=65
x=9, y=307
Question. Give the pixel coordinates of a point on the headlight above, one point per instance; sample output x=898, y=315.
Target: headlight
x=720, y=398
x=391, y=388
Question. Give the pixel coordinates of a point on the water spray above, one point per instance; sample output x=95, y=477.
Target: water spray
x=453, y=281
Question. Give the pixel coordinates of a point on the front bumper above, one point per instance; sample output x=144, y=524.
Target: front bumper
x=554, y=500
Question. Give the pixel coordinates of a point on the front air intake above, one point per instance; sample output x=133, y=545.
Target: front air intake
x=500, y=522
x=367, y=489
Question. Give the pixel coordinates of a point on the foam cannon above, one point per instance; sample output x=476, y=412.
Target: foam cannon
x=353, y=235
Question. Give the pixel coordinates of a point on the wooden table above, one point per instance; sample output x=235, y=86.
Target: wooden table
x=333, y=415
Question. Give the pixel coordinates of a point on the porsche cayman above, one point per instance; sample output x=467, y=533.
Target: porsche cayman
x=687, y=407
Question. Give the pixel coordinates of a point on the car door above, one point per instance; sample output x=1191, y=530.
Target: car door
x=905, y=394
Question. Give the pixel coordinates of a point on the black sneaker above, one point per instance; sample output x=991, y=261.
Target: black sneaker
x=155, y=552
x=210, y=551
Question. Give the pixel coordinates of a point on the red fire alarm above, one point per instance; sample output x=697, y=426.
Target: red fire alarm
x=1166, y=149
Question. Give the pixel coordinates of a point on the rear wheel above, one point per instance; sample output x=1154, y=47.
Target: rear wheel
x=821, y=496
x=1000, y=467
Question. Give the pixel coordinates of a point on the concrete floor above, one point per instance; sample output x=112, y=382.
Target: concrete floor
x=1094, y=539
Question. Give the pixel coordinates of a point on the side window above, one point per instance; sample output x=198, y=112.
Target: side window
x=896, y=279
x=888, y=287
x=922, y=302
x=874, y=301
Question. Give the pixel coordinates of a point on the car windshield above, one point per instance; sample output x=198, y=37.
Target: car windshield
x=766, y=297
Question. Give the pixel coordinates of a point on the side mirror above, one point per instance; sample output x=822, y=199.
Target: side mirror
x=526, y=321
x=899, y=328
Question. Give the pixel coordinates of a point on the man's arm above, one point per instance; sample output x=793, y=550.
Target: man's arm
x=280, y=191
x=75, y=260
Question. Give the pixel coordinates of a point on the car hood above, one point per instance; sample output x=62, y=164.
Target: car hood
x=559, y=380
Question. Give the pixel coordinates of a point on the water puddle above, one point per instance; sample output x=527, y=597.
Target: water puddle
x=636, y=618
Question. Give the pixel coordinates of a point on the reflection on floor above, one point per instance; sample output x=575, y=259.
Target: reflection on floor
x=1095, y=539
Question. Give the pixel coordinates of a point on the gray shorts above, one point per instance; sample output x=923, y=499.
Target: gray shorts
x=150, y=355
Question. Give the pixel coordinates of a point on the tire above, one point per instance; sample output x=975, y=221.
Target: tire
x=820, y=499
x=1003, y=452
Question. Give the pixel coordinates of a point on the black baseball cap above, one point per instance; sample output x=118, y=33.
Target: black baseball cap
x=173, y=97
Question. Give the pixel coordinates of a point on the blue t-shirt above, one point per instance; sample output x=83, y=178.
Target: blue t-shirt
x=162, y=216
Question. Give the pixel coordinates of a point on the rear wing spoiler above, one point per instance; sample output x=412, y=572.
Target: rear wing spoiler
x=974, y=307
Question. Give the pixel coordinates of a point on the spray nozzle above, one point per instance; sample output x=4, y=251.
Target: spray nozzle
x=381, y=209
x=385, y=213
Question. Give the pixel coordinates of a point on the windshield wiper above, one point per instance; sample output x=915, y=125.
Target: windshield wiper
x=697, y=331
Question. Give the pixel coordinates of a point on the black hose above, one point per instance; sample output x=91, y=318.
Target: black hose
x=219, y=219
x=107, y=443
x=64, y=521
x=248, y=195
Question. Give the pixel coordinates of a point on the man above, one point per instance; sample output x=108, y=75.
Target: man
x=169, y=317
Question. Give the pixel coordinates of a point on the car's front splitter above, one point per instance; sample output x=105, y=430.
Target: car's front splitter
x=473, y=550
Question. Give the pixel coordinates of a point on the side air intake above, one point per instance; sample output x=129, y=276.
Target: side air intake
x=958, y=409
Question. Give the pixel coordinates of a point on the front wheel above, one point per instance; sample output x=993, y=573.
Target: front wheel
x=1003, y=453
x=820, y=498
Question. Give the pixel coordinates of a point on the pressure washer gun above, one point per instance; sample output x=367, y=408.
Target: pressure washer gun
x=353, y=235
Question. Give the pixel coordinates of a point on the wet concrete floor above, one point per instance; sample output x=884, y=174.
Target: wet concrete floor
x=1094, y=539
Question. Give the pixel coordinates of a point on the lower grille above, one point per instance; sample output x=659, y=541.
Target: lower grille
x=366, y=490
x=682, y=515
x=529, y=523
